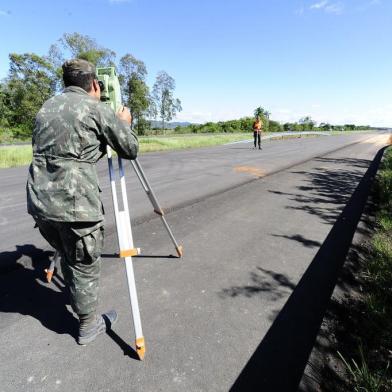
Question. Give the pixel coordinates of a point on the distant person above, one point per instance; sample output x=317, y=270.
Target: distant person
x=257, y=129
x=70, y=135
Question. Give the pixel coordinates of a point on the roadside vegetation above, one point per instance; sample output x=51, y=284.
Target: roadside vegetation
x=359, y=325
x=12, y=156
x=20, y=155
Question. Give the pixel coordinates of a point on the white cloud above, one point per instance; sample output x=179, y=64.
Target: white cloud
x=329, y=7
x=319, y=5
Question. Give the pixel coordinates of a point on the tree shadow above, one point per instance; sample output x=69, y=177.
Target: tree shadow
x=265, y=282
x=327, y=190
x=299, y=238
x=279, y=361
x=23, y=290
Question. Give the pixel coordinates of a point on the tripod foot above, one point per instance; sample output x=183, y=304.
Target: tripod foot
x=179, y=250
x=49, y=275
x=140, y=348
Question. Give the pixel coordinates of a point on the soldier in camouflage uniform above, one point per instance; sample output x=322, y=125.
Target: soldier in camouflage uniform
x=71, y=133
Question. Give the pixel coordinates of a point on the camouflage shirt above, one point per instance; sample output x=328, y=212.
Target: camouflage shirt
x=71, y=133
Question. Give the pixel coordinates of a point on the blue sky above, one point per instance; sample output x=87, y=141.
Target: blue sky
x=330, y=59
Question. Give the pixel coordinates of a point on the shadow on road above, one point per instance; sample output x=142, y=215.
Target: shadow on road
x=299, y=238
x=22, y=290
x=264, y=282
x=327, y=190
x=279, y=361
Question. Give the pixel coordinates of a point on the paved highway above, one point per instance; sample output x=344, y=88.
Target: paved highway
x=264, y=233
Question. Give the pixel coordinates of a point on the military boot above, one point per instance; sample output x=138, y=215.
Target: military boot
x=92, y=326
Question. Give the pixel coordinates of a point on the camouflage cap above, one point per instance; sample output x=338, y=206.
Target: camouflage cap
x=76, y=66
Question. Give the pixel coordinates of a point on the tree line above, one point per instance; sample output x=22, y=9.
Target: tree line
x=245, y=125
x=32, y=79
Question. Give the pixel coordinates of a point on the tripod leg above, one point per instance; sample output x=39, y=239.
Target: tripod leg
x=139, y=340
x=157, y=209
x=127, y=250
x=50, y=271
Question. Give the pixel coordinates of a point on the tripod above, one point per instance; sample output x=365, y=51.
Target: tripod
x=125, y=238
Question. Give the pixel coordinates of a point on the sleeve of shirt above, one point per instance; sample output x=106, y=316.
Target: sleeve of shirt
x=117, y=133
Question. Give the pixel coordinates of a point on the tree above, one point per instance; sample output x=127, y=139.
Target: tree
x=165, y=104
x=136, y=94
x=4, y=105
x=349, y=127
x=29, y=84
x=75, y=45
x=130, y=65
x=84, y=47
x=261, y=112
x=325, y=127
x=307, y=123
x=274, y=126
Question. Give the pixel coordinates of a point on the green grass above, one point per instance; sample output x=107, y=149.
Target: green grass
x=11, y=156
x=365, y=380
x=161, y=143
x=373, y=372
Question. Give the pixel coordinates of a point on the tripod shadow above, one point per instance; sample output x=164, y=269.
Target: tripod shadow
x=116, y=256
x=127, y=349
x=23, y=291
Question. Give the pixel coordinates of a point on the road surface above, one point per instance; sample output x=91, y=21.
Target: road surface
x=264, y=235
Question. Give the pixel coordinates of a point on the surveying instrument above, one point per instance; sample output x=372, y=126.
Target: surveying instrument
x=111, y=95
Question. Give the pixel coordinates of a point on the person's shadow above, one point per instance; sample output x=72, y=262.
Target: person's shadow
x=23, y=290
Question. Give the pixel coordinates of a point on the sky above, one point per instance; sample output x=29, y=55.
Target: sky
x=329, y=59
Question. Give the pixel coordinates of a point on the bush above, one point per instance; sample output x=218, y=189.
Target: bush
x=274, y=126
x=15, y=134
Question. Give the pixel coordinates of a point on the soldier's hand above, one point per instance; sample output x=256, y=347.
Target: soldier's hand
x=125, y=115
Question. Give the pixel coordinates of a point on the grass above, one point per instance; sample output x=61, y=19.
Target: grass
x=161, y=143
x=365, y=380
x=12, y=156
x=368, y=369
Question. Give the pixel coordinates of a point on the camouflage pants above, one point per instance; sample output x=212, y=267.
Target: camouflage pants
x=80, y=244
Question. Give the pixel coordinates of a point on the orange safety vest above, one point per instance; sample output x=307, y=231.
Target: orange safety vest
x=257, y=125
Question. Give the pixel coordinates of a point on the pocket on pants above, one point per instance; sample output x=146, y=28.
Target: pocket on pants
x=89, y=247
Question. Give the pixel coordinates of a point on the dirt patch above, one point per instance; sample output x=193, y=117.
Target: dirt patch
x=255, y=171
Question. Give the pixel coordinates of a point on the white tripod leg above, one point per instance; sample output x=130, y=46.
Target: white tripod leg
x=127, y=250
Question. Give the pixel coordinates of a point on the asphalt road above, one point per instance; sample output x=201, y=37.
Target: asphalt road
x=241, y=308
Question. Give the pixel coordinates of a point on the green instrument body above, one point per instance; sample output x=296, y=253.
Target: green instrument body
x=111, y=92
